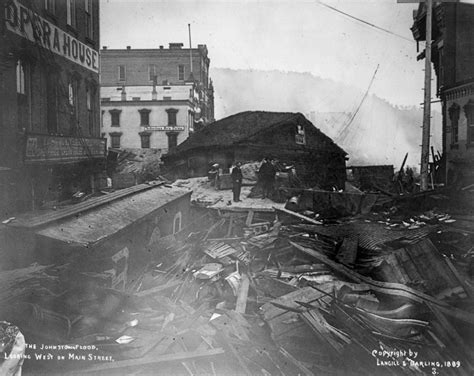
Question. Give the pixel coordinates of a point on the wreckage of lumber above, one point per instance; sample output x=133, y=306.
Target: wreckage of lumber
x=389, y=288
x=153, y=359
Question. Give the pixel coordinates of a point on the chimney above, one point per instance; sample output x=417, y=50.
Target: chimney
x=129, y=47
x=175, y=46
x=104, y=47
x=161, y=47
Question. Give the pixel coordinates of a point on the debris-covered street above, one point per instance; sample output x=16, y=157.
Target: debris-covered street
x=254, y=291
x=257, y=188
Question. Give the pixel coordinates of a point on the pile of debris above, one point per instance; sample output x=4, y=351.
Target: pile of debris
x=279, y=293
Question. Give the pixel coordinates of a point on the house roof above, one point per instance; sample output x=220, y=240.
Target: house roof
x=239, y=127
x=107, y=220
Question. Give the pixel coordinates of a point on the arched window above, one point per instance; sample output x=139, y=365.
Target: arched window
x=177, y=223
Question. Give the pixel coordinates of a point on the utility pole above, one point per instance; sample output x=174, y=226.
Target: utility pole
x=425, y=142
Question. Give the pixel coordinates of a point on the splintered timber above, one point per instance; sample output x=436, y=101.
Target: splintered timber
x=28, y=24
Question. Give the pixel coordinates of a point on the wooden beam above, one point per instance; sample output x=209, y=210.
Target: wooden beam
x=463, y=283
x=241, y=303
x=153, y=359
x=157, y=289
x=300, y=216
x=249, y=219
x=296, y=362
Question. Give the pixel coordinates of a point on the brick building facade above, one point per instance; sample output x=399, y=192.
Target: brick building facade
x=452, y=57
x=49, y=101
x=153, y=98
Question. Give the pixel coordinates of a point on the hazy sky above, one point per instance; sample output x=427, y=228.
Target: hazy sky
x=297, y=35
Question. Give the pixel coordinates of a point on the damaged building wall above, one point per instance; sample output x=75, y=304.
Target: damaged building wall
x=114, y=237
x=251, y=136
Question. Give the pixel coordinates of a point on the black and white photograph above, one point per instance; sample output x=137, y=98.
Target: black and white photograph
x=236, y=187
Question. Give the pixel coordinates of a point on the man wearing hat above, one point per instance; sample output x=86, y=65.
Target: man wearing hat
x=236, y=176
x=213, y=174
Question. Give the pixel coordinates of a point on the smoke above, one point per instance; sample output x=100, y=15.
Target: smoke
x=380, y=133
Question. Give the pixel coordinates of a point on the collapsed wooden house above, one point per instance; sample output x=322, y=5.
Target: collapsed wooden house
x=253, y=135
x=116, y=234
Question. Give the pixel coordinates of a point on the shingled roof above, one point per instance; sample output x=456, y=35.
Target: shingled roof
x=242, y=126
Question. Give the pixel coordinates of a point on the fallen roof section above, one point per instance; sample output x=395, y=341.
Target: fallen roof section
x=34, y=220
x=92, y=226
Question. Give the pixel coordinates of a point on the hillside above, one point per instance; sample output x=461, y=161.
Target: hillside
x=380, y=133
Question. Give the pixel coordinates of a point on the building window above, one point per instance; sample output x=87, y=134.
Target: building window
x=172, y=140
x=300, y=137
x=115, y=118
x=52, y=99
x=88, y=16
x=50, y=6
x=469, y=110
x=91, y=107
x=22, y=89
x=20, y=77
x=454, y=112
x=121, y=73
x=73, y=89
x=145, y=140
x=71, y=13
x=115, y=140
x=151, y=72
x=181, y=72
x=172, y=117
x=177, y=223
x=144, y=117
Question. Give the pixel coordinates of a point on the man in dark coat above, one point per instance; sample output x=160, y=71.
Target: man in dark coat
x=267, y=173
x=236, y=176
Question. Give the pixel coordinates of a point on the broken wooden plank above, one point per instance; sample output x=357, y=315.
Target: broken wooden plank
x=213, y=227
x=219, y=250
x=300, y=216
x=157, y=289
x=319, y=325
x=389, y=288
x=241, y=303
x=153, y=359
x=296, y=362
x=249, y=219
x=463, y=283
x=228, y=345
x=231, y=225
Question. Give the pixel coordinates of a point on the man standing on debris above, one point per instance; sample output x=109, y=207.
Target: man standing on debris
x=236, y=175
x=267, y=173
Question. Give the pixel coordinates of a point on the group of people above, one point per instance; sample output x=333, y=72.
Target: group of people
x=266, y=178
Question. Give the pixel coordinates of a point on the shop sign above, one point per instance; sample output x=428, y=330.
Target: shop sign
x=28, y=24
x=167, y=128
x=62, y=149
